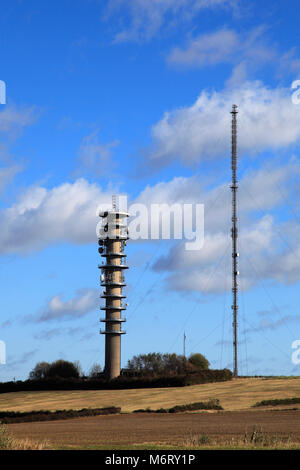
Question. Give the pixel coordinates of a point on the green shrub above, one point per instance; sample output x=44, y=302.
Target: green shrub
x=199, y=361
x=278, y=401
x=30, y=416
x=212, y=404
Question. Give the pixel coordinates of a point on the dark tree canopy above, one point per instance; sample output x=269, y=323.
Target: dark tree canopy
x=40, y=371
x=159, y=364
x=63, y=369
x=199, y=361
x=59, y=368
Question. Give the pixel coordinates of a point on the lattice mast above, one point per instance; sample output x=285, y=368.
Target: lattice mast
x=234, y=235
x=113, y=237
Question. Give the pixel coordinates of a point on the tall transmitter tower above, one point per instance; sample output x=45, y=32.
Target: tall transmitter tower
x=234, y=235
x=113, y=236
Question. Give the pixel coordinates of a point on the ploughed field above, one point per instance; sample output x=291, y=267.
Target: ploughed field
x=144, y=429
x=128, y=429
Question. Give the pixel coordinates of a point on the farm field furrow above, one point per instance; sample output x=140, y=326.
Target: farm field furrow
x=157, y=429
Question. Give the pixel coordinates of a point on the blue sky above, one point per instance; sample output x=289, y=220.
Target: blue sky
x=134, y=96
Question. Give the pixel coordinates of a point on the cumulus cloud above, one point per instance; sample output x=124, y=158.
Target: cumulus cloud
x=148, y=17
x=224, y=46
x=13, y=120
x=84, y=302
x=66, y=213
x=259, y=190
x=270, y=248
x=207, y=49
x=208, y=270
x=267, y=120
x=247, y=52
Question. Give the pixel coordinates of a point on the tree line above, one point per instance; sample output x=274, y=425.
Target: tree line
x=152, y=364
x=165, y=364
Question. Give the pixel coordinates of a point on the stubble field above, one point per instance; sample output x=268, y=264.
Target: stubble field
x=235, y=425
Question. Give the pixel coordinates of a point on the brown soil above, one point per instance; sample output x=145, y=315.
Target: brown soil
x=175, y=429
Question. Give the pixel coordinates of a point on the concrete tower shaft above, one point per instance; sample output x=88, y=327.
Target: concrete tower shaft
x=112, y=240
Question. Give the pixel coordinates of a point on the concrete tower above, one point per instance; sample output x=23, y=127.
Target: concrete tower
x=112, y=239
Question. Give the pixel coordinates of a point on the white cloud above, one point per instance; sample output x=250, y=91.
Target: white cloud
x=259, y=190
x=84, y=302
x=209, y=270
x=267, y=119
x=270, y=250
x=13, y=120
x=268, y=186
x=207, y=49
x=148, y=17
x=66, y=213
x=225, y=46
x=248, y=52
